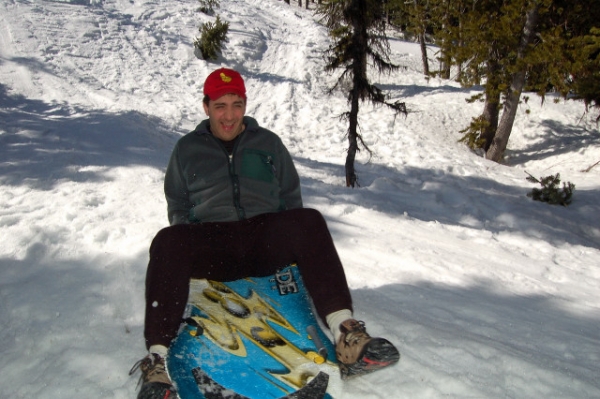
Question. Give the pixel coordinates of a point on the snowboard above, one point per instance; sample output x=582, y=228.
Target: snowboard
x=253, y=338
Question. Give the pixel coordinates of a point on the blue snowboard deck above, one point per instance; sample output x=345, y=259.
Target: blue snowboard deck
x=253, y=338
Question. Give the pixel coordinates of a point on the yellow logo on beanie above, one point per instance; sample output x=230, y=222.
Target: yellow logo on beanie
x=225, y=78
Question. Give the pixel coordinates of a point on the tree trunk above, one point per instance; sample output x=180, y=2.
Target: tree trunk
x=500, y=141
x=446, y=64
x=351, y=178
x=491, y=109
x=491, y=112
x=422, y=41
x=424, y=54
x=359, y=76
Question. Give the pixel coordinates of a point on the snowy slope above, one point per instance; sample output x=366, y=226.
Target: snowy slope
x=486, y=293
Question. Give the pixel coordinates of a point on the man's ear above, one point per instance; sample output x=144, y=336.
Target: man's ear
x=205, y=108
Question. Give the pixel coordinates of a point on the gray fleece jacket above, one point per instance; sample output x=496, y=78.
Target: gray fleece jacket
x=203, y=183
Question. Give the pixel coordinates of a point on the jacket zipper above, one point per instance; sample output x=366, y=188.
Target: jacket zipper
x=235, y=182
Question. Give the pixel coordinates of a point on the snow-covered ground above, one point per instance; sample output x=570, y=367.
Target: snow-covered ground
x=487, y=293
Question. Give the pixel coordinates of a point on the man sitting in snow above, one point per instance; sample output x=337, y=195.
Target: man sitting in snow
x=235, y=210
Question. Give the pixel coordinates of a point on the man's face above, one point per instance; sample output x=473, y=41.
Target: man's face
x=226, y=116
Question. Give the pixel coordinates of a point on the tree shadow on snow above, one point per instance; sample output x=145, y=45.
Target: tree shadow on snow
x=469, y=201
x=59, y=314
x=43, y=143
x=473, y=337
x=557, y=139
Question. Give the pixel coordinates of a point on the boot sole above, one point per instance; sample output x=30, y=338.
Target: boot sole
x=157, y=390
x=378, y=354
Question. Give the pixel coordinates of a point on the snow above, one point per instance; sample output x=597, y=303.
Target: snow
x=487, y=293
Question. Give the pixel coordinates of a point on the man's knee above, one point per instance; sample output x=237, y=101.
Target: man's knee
x=308, y=219
x=165, y=238
x=308, y=213
x=314, y=216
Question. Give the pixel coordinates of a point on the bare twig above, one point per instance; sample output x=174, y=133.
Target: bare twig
x=590, y=168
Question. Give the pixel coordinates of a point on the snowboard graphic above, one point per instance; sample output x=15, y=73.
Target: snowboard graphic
x=253, y=338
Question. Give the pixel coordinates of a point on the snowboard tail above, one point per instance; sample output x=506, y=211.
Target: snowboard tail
x=211, y=389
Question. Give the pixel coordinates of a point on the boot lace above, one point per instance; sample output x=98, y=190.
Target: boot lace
x=357, y=334
x=150, y=366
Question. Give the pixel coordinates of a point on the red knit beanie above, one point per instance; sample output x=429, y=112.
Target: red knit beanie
x=224, y=81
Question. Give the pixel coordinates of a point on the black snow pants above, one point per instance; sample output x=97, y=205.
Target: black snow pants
x=226, y=251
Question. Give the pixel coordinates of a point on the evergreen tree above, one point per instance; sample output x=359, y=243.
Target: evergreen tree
x=586, y=72
x=513, y=94
x=418, y=25
x=550, y=191
x=487, y=37
x=357, y=27
x=212, y=39
x=397, y=14
x=520, y=45
x=208, y=6
x=440, y=17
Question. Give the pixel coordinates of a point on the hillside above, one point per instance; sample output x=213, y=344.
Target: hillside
x=487, y=293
